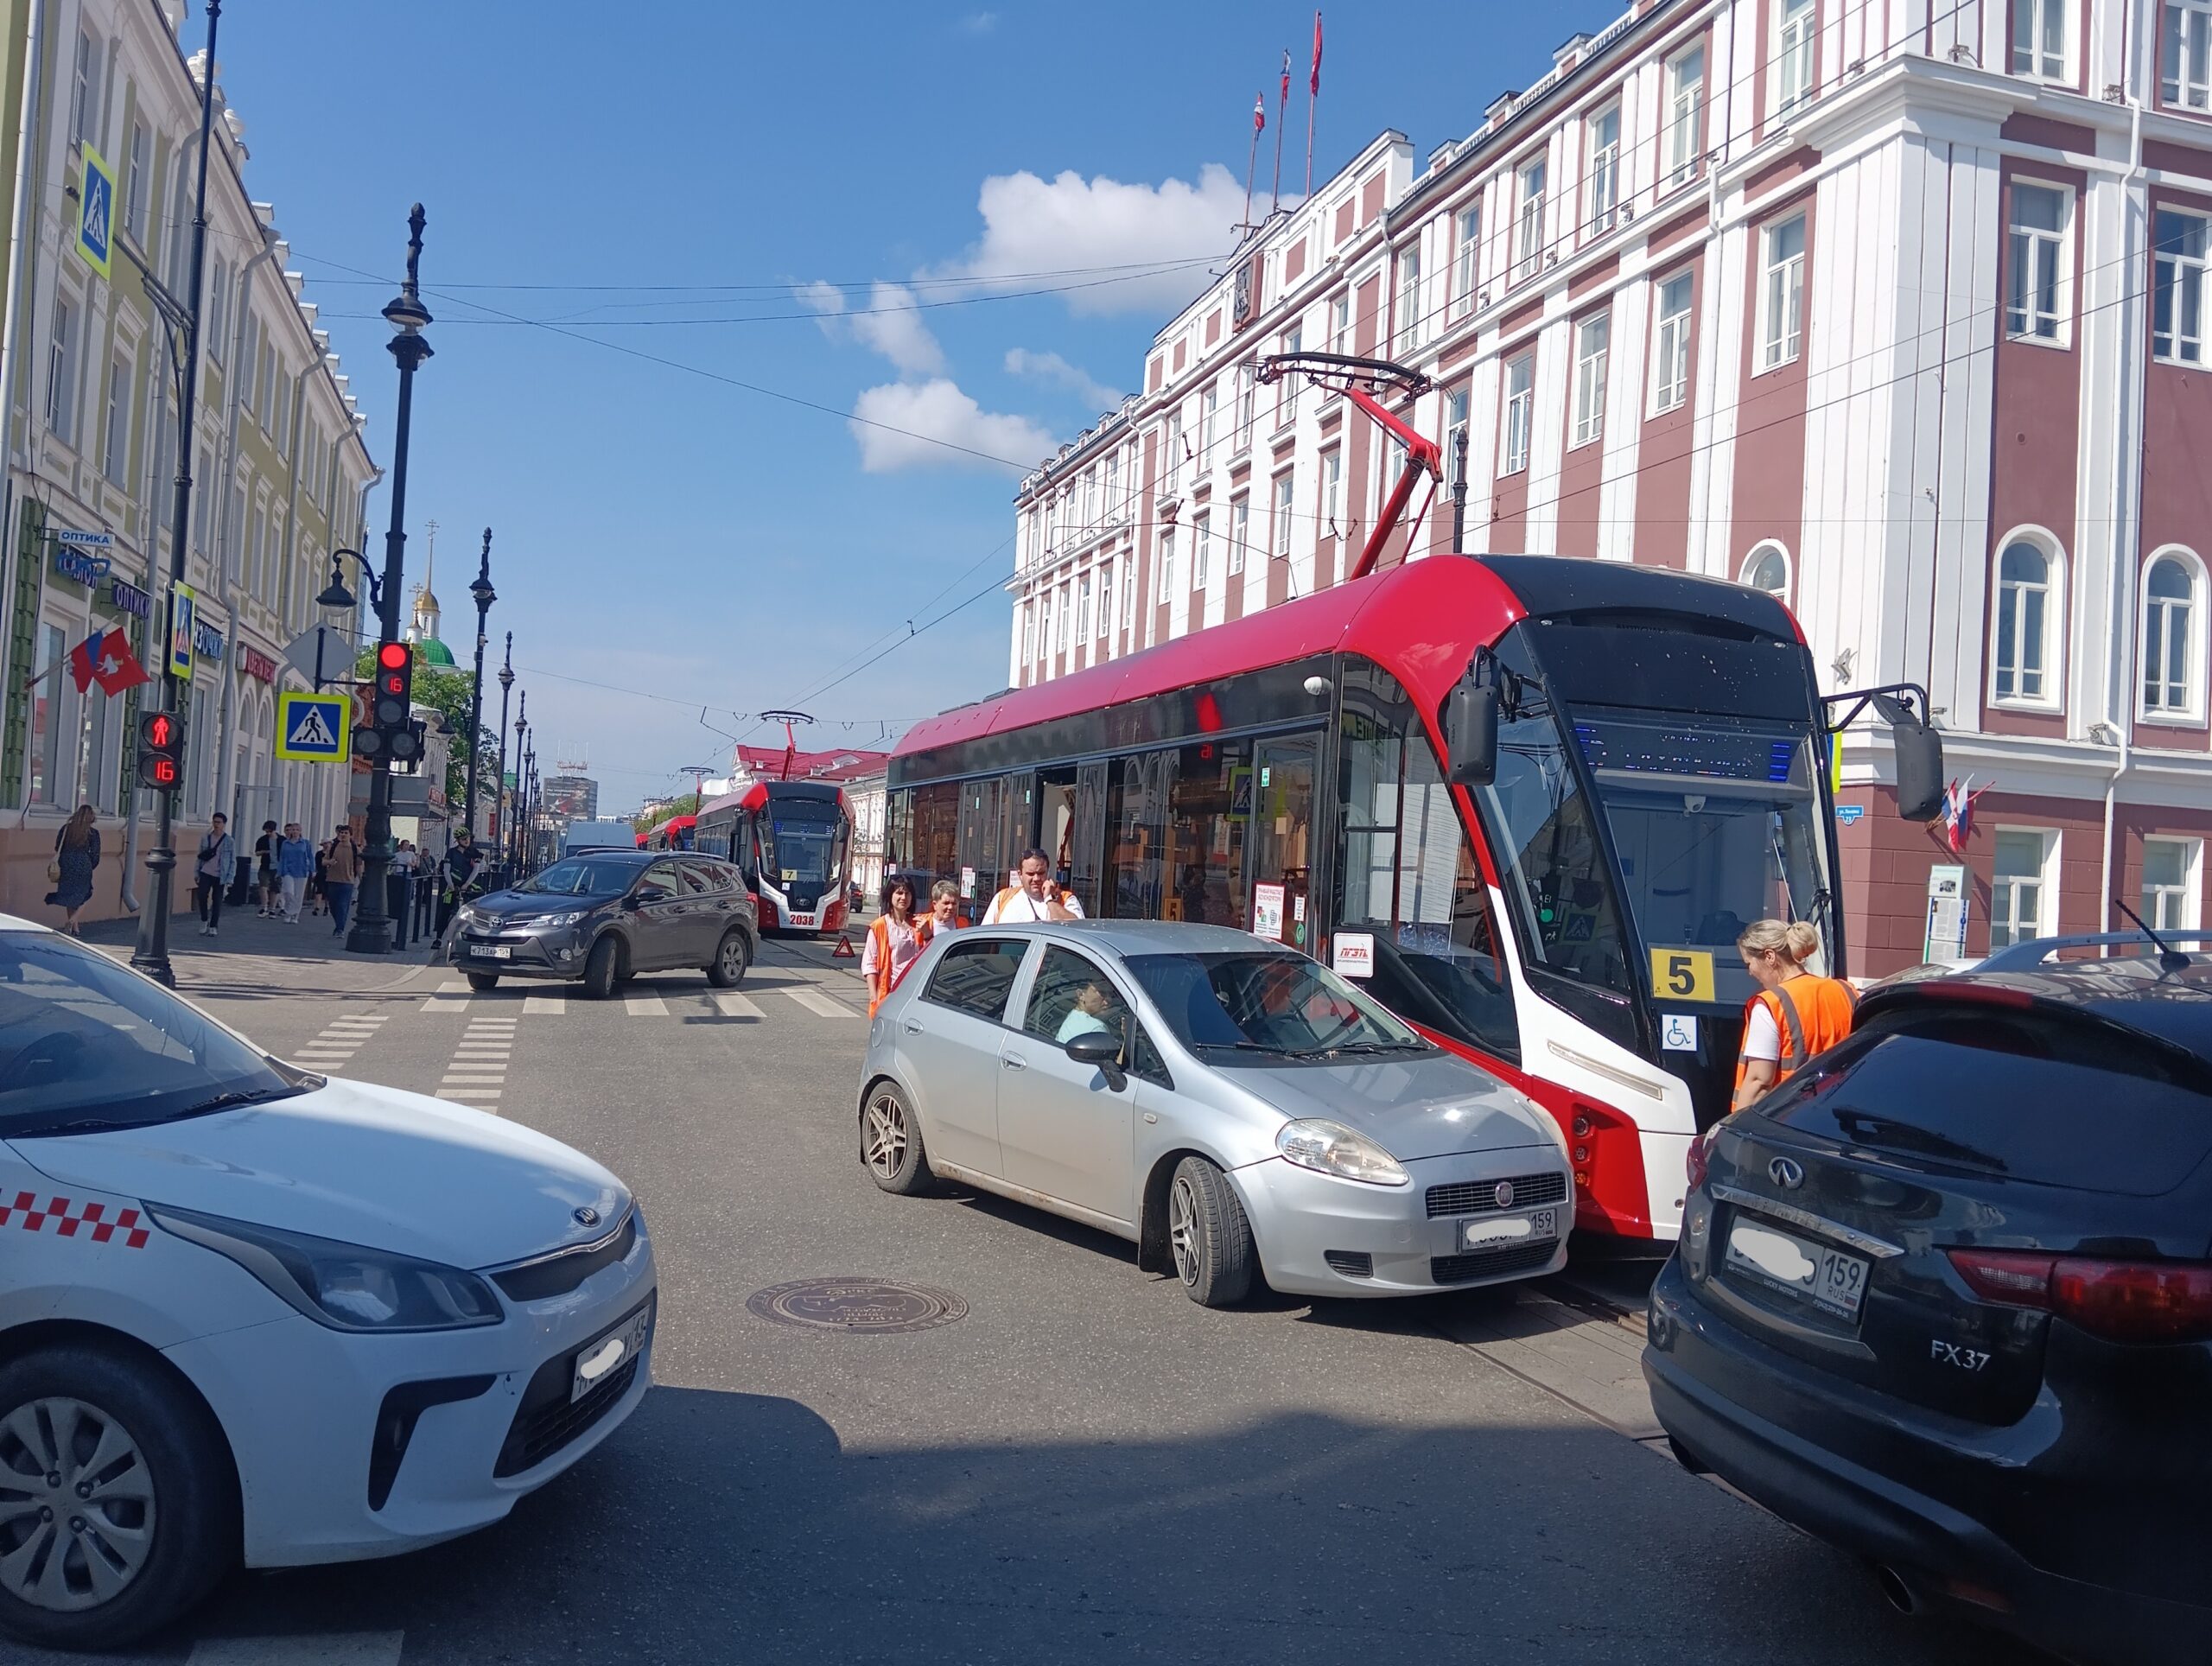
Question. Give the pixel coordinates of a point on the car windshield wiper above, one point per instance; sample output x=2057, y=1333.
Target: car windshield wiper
x=235, y=1097
x=1246, y=1047
x=1335, y=1047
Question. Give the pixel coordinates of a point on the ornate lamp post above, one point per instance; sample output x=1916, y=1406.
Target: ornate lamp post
x=499, y=787
x=371, y=930
x=522, y=727
x=481, y=589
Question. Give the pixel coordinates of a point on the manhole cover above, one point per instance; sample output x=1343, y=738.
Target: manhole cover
x=872, y=1305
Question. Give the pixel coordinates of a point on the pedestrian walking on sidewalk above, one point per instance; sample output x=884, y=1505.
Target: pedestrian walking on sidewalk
x=76, y=853
x=895, y=941
x=1797, y=1014
x=341, y=870
x=211, y=873
x=295, y=868
x=398, y=888
x=264, y=871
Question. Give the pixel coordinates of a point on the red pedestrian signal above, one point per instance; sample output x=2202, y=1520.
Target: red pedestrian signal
x=161, y=751
x=392, y=700
x=395, y=657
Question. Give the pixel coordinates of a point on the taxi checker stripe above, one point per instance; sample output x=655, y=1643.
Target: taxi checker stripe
x=66, y=1225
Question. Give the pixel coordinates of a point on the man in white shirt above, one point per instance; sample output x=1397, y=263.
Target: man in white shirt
x=1036, y=898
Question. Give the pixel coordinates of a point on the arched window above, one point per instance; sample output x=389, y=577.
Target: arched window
x=2025, y=659
x=1767, y=568
x=2171, y=624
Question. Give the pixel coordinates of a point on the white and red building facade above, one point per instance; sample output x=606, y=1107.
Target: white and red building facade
x=1896, y=307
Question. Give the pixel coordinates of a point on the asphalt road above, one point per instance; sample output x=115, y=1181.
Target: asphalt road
x=1085, y=1467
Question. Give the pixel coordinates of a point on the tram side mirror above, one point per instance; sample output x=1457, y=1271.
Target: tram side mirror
x=1471, y=731
x=1920, y=769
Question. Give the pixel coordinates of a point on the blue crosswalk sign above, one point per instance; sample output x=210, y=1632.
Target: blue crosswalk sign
x=313, y=728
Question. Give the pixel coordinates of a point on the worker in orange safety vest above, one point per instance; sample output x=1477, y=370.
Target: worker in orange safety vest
x=1035, y=898
x=1796, y=1015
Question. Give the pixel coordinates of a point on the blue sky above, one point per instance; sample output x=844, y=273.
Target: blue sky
x=715, y=199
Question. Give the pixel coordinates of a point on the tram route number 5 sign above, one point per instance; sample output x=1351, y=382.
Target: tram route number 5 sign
x=1683, y=974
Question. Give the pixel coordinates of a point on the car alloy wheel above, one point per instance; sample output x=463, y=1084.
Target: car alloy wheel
x=886, y=1137
x=77, y=1506
x=1184, y=1231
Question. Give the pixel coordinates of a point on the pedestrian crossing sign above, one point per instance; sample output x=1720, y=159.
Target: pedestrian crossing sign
x=313, y=728
x=96, y=224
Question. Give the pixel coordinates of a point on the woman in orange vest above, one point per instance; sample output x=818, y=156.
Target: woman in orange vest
x=1796, y=1014
x=895, y=941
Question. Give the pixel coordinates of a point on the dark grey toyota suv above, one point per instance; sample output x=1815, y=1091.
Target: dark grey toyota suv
x=598, y=919
x=1945, y=1300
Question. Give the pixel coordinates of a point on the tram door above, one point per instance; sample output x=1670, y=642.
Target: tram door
x=1279, y=845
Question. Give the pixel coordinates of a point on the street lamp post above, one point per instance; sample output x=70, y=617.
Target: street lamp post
x=372, y=930
x=522, y=727
x=152, y=953
x=481, y=589
x=499, y=787
x=531, y=824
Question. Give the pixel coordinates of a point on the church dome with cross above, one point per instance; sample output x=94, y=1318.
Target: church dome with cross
x=423, y=632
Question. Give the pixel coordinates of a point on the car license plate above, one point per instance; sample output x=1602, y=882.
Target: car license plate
x=593, y=1363
x=1830, y=1278
x=1492, y=1231
x=492, y=950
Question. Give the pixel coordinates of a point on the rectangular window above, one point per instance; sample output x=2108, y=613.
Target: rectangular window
x=1520, y=405
x=1795, y=39
x=1781, y=295
x=1240, y=533
x=1603, y=136
x=1082, y=610
x=1206, y=405
x=47, y=674
x=1685, y=93
x=1455, y=437
x=2039, y=42
x=1060, y=621
x=2177, y=288
x=138, y=184
x=1172, y=460
x=1332, y=482
x=1293, y=340
x=1248, y=405
x=2170, y=638
x=2185, y=53
x=1129, y=600
x=1670, y=350
x=2022, y=623
x=1028, y=635
x=1201, y=551
x=61, y=372
x=1409, y=330
x=116, y=446
x=1283, y=483
x=1592, y=345
x=2172, y=900
x=2034, y=311
x=1340, y=323
x=1166, y=566
x=1529, y=228
x=1105, y=603
x=2019, y=890
x=1466, y=242
x=83, y=109
x=1114, y=504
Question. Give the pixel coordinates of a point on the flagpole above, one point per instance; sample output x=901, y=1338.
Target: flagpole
x=1252, y=162
x=1282, y=120
x=1312, y=97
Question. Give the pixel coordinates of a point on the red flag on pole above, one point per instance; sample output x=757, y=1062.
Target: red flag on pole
x=1313, y=86
x=1286, y=75
x=1260, y=113
x=119, y=667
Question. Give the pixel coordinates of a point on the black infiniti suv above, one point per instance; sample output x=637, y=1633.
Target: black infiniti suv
x=603, y=916
x=1945, y=1300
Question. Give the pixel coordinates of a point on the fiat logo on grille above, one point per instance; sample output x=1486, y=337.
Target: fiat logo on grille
x=1504, y=1194
x=586, y=1216
x=1785, y=1172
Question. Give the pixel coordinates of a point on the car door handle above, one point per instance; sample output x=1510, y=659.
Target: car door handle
x=1009, y=1062
x=911, y=1027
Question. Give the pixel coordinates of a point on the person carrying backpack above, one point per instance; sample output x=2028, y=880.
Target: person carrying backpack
x=1796, y=1015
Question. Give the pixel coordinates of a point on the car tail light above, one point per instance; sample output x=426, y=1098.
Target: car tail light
x=2147, y=1301
x=1699, y=1157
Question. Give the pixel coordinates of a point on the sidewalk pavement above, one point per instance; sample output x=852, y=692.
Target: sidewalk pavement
x=255, y=959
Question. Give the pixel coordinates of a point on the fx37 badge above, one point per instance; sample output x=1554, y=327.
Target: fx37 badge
x=1950, y=1353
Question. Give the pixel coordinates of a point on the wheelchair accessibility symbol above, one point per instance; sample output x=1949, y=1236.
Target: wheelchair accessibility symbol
x=1678, y=1034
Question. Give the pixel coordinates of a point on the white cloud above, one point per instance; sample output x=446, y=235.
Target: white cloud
x=1031, y=225
x=980, y=22
x=1051, y=368
x=913, y=414
x=890, y=324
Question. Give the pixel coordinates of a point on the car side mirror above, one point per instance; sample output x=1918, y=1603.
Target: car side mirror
x=1101, y=1049
x=1471, y=732
x=1919, y=751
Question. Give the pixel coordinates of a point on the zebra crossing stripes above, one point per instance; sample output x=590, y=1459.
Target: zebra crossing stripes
x=763, y=1003
x=339, y=1040
x=478, y=1074
x=733, y=1005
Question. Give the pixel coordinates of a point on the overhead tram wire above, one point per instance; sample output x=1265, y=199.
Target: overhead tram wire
x=787, y=285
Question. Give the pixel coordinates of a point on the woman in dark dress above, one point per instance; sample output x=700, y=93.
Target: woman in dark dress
x=76, y=853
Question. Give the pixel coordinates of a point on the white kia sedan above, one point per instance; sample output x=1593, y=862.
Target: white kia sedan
x=251, y=1313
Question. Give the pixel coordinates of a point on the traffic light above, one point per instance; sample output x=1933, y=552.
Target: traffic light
x=161, y=751
x=391, y=733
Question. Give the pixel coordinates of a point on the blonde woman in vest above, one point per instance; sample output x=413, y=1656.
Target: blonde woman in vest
x=895, y=941
x=1797, y=1014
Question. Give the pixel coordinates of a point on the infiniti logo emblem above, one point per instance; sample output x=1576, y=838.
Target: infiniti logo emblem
x=1785, y=1172
x=1504, y=1194
x=586, y=1216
